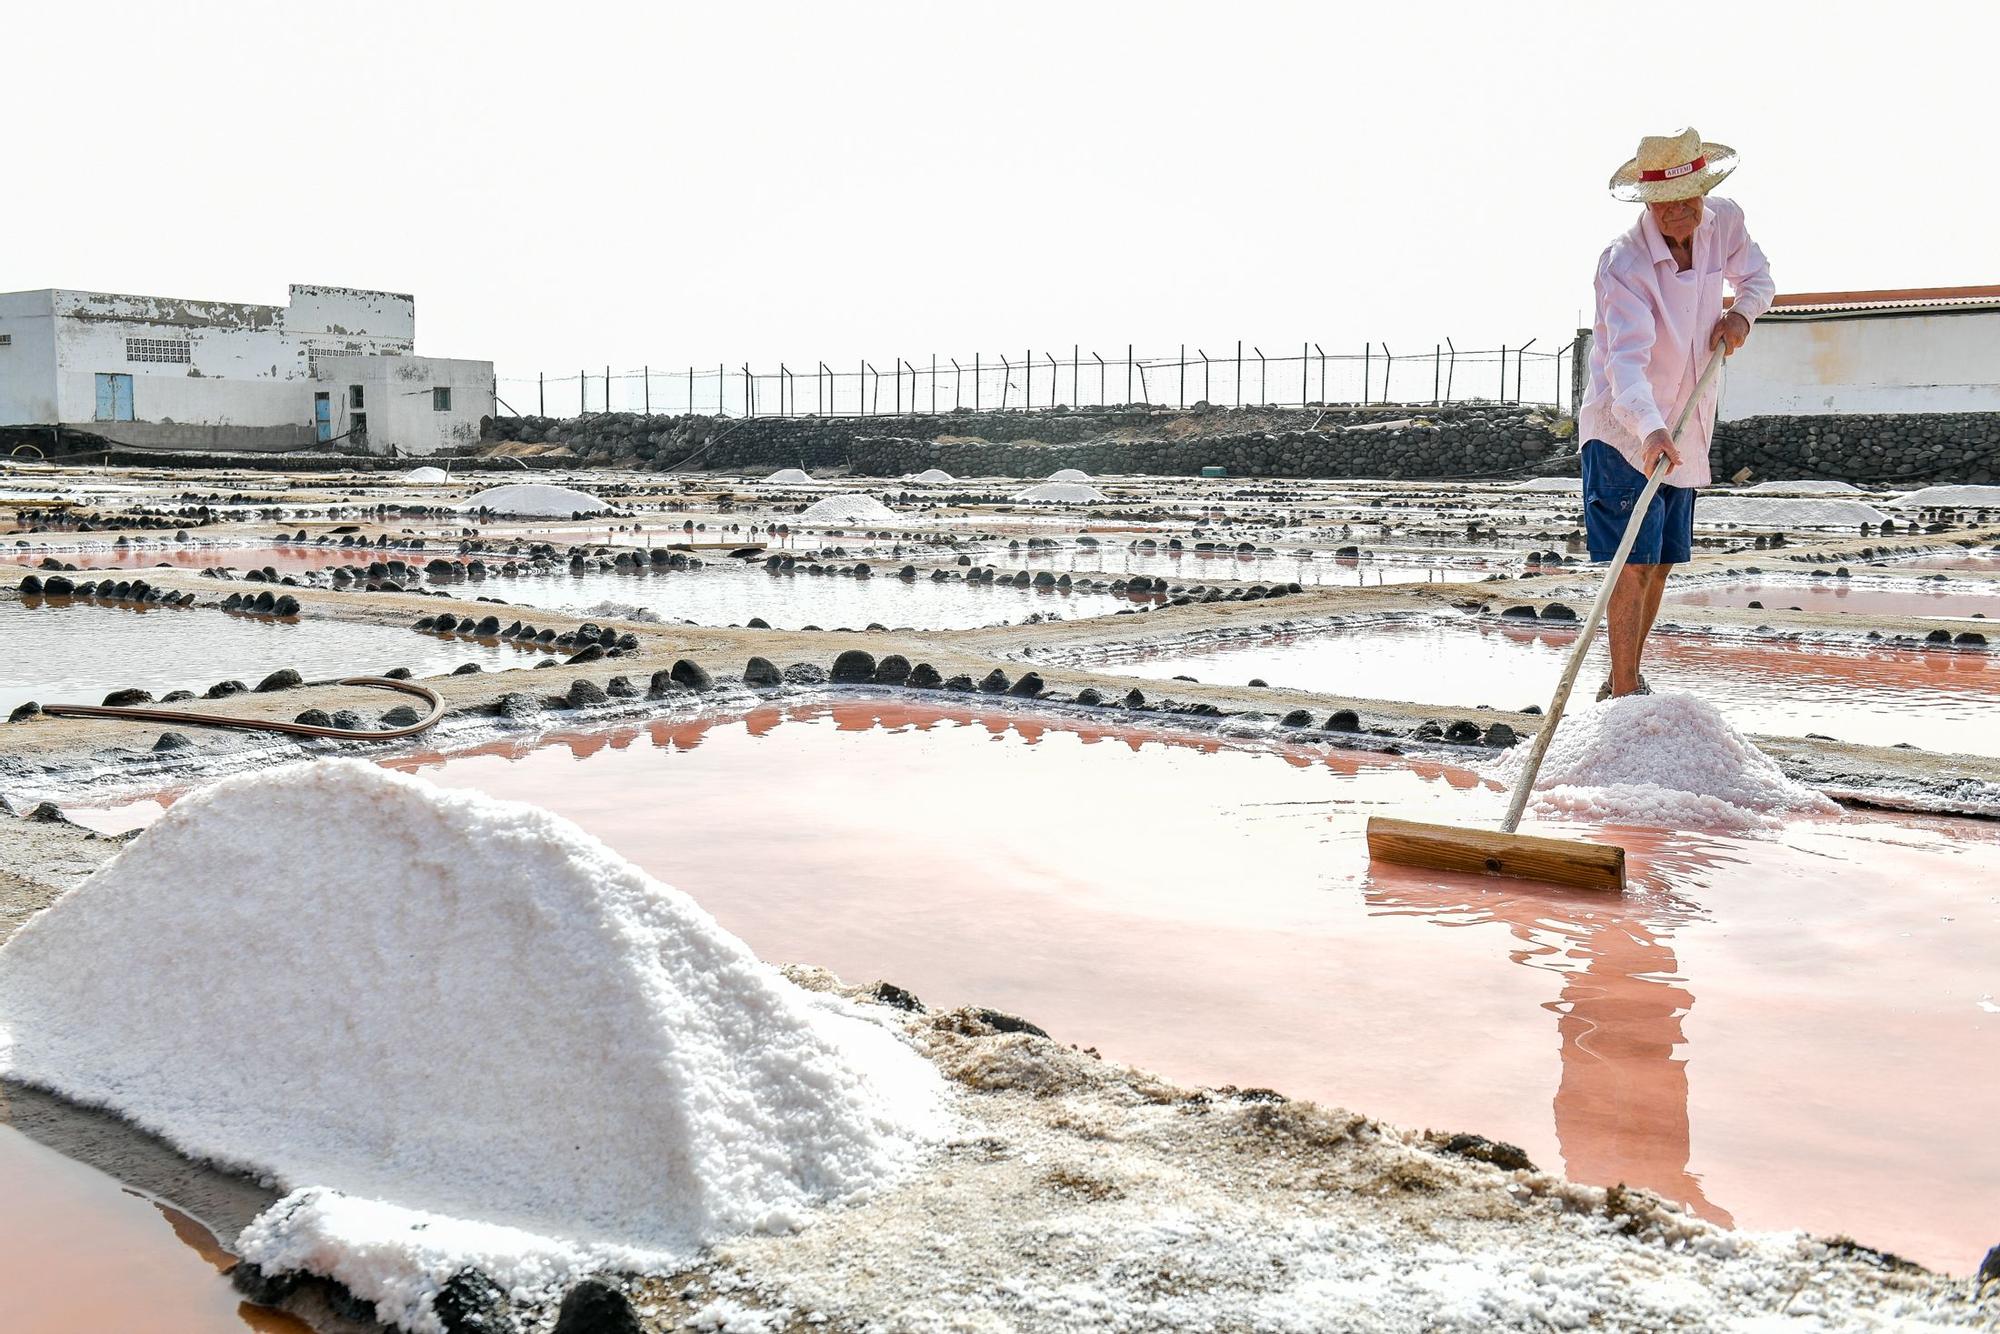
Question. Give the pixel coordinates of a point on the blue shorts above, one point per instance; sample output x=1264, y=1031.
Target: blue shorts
x=1610, y=487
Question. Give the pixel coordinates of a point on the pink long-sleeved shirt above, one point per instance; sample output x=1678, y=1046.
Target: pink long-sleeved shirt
x=1651, y=334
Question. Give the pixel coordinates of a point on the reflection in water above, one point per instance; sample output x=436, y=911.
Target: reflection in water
x=1621, y=1108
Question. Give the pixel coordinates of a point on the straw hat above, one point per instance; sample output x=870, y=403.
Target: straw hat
x=1673, y=166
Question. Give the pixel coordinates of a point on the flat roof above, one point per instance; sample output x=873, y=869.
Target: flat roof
x=1886, y=301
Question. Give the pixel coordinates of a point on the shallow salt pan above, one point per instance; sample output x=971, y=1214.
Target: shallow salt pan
x=1070, y=492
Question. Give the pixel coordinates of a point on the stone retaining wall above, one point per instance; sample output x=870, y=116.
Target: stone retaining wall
x=1876, y=448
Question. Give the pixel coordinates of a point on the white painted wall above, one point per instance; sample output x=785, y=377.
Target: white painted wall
x=28, y=362
x=396, y=395
x=1881, y=363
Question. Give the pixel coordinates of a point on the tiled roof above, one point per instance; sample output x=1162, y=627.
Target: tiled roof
x=1904, y=300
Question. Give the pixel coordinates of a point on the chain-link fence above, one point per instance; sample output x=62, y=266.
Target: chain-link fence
x=1241, y=375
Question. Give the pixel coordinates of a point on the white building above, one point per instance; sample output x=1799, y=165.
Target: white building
x=334, y=365
x=1933, y=349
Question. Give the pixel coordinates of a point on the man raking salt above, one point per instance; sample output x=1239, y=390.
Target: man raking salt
x=1659, y=316
x=1659, y=312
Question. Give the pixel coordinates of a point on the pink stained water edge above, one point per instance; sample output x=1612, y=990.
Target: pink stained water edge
x=1852, y=597
x=1785, y=1032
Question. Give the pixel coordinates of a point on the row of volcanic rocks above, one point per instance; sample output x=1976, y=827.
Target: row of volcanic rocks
x=285, y=678
x=1864, y=448
x=130, y=592
x=1338, y=441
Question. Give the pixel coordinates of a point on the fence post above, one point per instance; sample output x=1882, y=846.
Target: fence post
x=1436, y=359
x=1239, y=372
x=899, y=387
x=1100, y=378
x=933, y=384
x=1579, y=368
x=1305, y=373
x=541, y=393
x=1075, y=385
x=721, y=380
x=1521, y=366
x=1128, y=372
x=1263, y=377
x=1183, y=364
x=582, y=391
x=1322, y=373
x=1028, y=379
x=1367, y=371
x=1503, y=372
x=957, y=385
x=1055, y=374
x=1204, y=375
x=1388, y=367
x=784, y=375
x=1451, y=369
x=647, y=371
x=975, y=382
x=607, y=389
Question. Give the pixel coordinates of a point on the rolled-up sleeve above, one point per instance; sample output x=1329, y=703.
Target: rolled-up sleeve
x=1749, y=276
x=1629, y=336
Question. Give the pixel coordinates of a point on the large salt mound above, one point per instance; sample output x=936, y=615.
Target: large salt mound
x=1069, y=475
x=857, y=508
x=426, y=476
x=1665, y=761
x=1071, y=492
x=459, y=1030
x=1777, y=512
x=1932, y=496
x=790, y=477
x=535, y=500
x=930, y=475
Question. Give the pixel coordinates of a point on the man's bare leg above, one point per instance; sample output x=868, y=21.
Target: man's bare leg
x=1635, y=601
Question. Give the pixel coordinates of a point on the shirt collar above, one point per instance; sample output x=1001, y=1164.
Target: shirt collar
x=1656, y=241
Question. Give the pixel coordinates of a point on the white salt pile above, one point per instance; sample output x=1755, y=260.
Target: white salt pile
x=1808, y=487
x=1069, y=492
x=1931, y=496
x=1069, y=475
x=857, y=508
x=1666, y=762
x=930, y=475
x=459, y=1030
x=789, y=477
x=535, y=500
x=426, y=476
x=1777, y=512
x=1547, y=484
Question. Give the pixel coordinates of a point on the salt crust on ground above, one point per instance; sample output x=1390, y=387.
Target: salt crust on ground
x=1663, y=761
x=857, y=508
x=790, y=477
x=426, y=476
x=1948, y=495
x=1806, y=487
x=1781, y=512
x=535, y=500
x=1071, y=492
x=459, y=1030
x=1084, y=1195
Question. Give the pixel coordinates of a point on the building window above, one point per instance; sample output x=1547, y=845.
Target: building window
x=6, y=340
x=174, y=350
x=441, y=398
x=354, y=396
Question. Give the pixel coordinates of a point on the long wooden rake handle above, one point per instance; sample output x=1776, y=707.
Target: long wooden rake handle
x=1524, y=786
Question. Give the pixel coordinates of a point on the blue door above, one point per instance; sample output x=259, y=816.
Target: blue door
x=114, y=398
x=323, y=416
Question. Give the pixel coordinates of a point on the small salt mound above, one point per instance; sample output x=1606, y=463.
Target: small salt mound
x=1665, y=761
x=857, y=508
x=1070, y=492
x=1069, y=475
x=426, y=476
x=459, y=1030
x=789, y=477
x=1775, y=512
x=930, y=475
x=535, y=500
x=1932, y=496
x=1547, y=484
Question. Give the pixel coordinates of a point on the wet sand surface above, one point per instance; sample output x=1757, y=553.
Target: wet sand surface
x=1940, y=700
x=1846, y=595
x=81, y=1253
x=1789, y=1032
x=76, y=652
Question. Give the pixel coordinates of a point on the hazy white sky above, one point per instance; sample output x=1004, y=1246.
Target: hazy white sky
x=565, y=185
